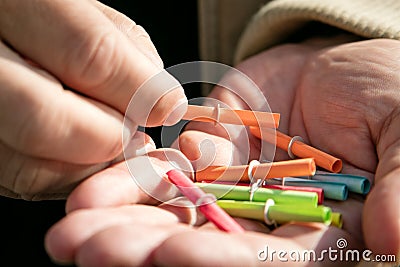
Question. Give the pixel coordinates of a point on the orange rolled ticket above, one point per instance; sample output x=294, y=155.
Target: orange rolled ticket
x=279, y=169
x=299, y=148
x=230, y=116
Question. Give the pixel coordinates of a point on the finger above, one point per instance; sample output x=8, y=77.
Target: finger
x=242, y=94
x=204, y=149
x=248, y=225
x=351, y=212
x=125, y=245
x=184, y=210
x=139, y=180
x=86, y=52
x=33, y=178
x=113, y=186
x=64, y=238
x=213, y=248
x=49, y=122
x=187, y=213
x=139, y=145
x=134, y=32
x=320, y=239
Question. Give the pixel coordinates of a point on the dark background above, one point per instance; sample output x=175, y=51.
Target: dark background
x=172, y=26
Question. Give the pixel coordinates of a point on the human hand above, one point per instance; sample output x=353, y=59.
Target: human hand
x=343, y=99
x=52, y=137
x=355, y=86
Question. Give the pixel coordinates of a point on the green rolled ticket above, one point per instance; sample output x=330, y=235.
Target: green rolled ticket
x=280, y=213
x=337, y=219
x=222, y=191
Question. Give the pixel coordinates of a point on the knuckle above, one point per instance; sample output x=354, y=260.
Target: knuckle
x=95, y=61
x=16, y=173
x=27, y=179
x=33, y=178
x=142, y=40
x=21, y=174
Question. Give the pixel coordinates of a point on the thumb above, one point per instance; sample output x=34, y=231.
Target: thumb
x=207, y=149
x=137, y=34
x=86, y=52
x=382, y=207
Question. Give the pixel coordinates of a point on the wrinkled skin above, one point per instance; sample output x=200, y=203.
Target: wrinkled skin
x=52, y=138
x=342, y=98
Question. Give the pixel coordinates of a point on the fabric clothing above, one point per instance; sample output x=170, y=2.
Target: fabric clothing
x=221, y=23
x=226, y=37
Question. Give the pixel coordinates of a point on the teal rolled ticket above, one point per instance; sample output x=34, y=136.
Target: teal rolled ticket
x=355, y=183
x=279, y=213
x=222, y=191
x=336, y=191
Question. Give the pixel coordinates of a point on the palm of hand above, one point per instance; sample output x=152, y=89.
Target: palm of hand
x=344, y=100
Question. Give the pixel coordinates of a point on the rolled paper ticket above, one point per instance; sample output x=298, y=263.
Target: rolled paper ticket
x=204, y=202
x=223, y=191
x=355, y=183
x=337, y=219
x=298, y=148
x=230, y=116
x=279, y=213
x=336, y=191
x=261, y=171
x=318, y=191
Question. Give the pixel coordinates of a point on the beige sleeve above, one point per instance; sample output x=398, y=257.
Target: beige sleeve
x=279, y=19
x=41, y=196
x=221, y=23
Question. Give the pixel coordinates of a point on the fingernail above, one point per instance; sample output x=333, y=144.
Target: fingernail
x=185, y=210
x=177, y=113
x=149, y=172
x=128, y=131
x=139, y=145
